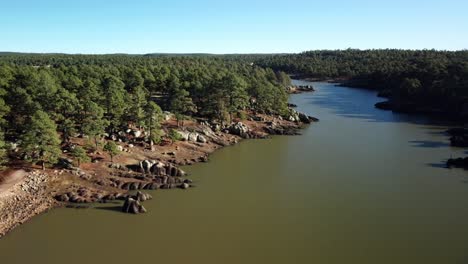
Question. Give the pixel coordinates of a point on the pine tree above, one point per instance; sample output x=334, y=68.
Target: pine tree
x=111, y=148
x=94, y=124
x=114, y=93
x=40, y=142
x=181, y=104
x=137, y=103
x=153, y=115
x=80, y=155
x=234, y=90
x=3, y=151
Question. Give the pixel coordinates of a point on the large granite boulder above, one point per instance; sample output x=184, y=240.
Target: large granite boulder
x=239, y=129
x=145, y=166
x=193, y=137
x=133, y=206
x=201, y=139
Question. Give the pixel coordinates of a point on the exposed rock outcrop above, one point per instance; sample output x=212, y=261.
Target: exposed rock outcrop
x=158, y=168
x=238, y=129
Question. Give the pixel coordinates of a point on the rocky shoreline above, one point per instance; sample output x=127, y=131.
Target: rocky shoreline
x=135, y=169
x=24, y=200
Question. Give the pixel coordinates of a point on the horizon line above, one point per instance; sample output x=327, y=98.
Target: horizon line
x=221, y=54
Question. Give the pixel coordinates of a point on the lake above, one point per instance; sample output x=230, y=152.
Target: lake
x=361, y=186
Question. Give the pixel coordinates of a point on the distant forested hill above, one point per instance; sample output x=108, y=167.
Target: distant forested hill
x=415, y=80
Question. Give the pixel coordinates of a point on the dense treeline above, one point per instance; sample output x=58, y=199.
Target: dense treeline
x=41, y=95
x=428, y=80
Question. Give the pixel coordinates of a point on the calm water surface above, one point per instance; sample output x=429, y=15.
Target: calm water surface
x=362, y=186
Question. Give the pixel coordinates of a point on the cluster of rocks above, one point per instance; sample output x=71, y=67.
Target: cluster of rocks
x=163, y=182
x=298, y=117
x=274, y=128
x=34, y=182
x=305, y=88
x=127, y=135
x=84, y=195
x=300, y=89
x=132, y=203
x=25, y=199
x=158, y=168
x=192, y=136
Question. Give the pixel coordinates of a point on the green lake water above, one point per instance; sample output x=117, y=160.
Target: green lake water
x=361, y=186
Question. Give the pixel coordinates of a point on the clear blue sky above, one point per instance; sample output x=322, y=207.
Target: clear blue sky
x=253, y=26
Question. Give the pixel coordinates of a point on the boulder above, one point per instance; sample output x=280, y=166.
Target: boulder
x=137, y=133
x=158, y=169
x=132, y=206
x=193, y=137
x=201, y=139
x=238, y=129
x=146, y=165
x=141, y=197
x=184, y=135
x=62, y=198
x=304, y=118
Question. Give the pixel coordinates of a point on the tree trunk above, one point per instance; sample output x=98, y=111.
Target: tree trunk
x=43, y=165
x=96, y=143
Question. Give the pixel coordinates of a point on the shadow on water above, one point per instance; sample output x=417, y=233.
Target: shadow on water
x=428, y=144
x=441, y=165
x=117, y=209
x=359, y=104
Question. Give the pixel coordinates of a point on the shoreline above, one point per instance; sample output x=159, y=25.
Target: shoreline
x=136, y=168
